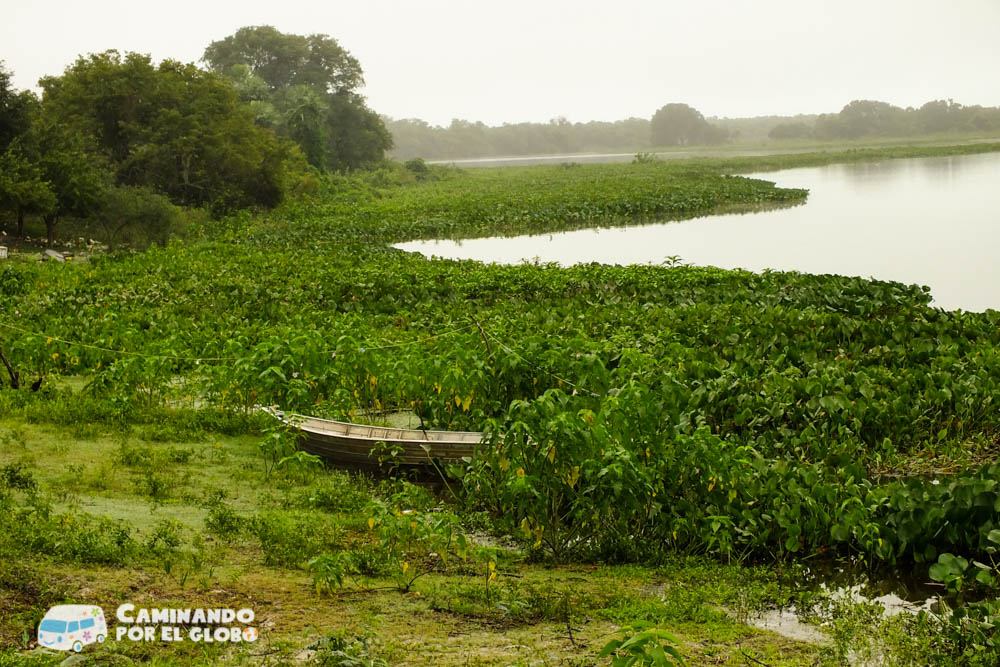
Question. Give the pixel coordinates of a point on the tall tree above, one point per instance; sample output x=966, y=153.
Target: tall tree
x=311, y=96
x=679, y=125
x=16, y=108
x=173, y=127
x=23, y=189
x=862, y=118
x=77, y=178
x=283, y=61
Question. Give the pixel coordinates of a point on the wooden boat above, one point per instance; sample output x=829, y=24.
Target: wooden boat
x=378, y=447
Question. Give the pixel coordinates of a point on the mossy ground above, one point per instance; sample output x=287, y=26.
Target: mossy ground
x=537, y=613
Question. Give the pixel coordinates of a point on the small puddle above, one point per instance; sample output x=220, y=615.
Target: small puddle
x=895, y=596
x=785, y=622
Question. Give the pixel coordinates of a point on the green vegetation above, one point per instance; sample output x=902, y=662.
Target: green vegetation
x=705, y=424
x=304, y=88
x=116, y=138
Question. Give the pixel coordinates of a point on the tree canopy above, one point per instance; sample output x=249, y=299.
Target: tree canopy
x=679, y=125
x=305, y=88
x=283, y=61
x=15, y=109
x=174, y=128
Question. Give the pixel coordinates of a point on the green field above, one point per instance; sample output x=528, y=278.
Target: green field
x=674, y=445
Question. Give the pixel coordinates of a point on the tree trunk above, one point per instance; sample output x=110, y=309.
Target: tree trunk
x=50, y=227
x=20, y=222
x=15, y=379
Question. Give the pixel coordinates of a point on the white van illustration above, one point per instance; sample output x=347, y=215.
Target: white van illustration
x=72, y=626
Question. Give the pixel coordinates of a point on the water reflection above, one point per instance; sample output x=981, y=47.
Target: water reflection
x=929, y=221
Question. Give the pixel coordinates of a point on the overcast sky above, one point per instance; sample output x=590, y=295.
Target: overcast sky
x=534, y=60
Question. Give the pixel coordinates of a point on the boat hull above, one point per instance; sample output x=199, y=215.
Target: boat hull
x=379, y=448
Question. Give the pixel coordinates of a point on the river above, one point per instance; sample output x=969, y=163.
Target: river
x=929, y=221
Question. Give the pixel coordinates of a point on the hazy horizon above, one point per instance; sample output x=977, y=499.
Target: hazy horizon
x=533, y=62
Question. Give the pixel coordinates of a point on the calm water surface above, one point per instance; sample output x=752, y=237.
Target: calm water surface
x=929, y=221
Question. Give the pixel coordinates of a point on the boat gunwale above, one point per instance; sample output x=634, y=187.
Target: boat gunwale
x=286, y=418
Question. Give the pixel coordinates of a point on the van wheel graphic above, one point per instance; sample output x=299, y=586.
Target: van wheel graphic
x=77, y=646
x=100, y=639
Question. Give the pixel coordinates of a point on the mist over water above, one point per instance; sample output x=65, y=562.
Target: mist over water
x=929, y=221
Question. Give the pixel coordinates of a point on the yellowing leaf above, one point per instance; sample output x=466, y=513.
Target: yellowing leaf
x=504, y=464
x=552, y=454
x=520, y=472
x=493, y=575
x=406, y=566
x=371, y=524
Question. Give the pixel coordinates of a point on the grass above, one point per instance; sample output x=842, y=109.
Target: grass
x=535, y=612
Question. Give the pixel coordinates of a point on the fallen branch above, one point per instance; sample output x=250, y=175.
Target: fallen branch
x=15, y=378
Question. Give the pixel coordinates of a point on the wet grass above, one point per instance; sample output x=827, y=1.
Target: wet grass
x=533, y=613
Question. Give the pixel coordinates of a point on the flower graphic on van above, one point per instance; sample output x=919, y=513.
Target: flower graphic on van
x=70, y=627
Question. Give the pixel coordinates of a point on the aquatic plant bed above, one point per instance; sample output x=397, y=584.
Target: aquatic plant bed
x=670, y=445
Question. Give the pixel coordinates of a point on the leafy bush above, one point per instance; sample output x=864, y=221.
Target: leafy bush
x=642, y=644
x=339, y=492
x=291, y=539
x=222, y=521
x=14, y=476
x=31, y=527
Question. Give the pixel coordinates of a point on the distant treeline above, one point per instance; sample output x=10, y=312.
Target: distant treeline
x=869, y=118
x=416, y=138
x=678, y=125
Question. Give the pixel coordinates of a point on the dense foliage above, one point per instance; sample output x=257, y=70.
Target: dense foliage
x=630, y=408
x=305, y=88
x=629, y=411
x=174, y=128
